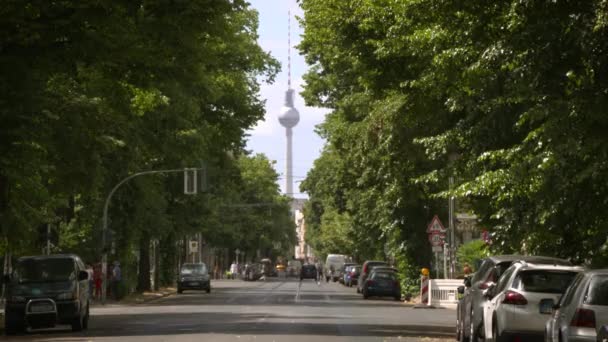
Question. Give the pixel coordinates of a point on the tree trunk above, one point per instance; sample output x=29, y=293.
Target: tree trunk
x=143, y=278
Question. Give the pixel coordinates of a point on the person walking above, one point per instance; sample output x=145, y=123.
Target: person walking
x=116, y=279
x=97, y=281
x=234, y=270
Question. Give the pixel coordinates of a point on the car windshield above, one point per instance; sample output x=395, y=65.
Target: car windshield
x=597, y=294
x=45, y=270
x=544, y=281
x=194, y=269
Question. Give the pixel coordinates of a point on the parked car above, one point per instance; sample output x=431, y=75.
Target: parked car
x=268, y=268
x=333, y=264
x=582, y=312
x=382, y=283
x=193, y=276
x=309, y=271
x=343, y=272
x=469, y=312
x=351, y=277
x=365, y=271
x=47, y=290
x=517, y=303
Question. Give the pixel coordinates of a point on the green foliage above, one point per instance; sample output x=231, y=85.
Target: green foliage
x=471, y=253
x=94, y=91
x=508, y=97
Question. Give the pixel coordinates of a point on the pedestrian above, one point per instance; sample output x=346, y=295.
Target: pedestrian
x=116, y=279
x=91, y=283
x=467, y=270
x=97, y=280
x=233, y=270
x=216, y=271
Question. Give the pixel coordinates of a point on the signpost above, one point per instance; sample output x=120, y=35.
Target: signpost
x=436, y=232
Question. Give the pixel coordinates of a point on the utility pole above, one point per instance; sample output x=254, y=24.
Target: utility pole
x=452, y=247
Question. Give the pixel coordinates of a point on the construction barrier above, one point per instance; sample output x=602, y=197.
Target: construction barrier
x=424, y=290
x=444, y=292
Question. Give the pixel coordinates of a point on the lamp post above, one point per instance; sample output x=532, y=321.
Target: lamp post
x=104, y=257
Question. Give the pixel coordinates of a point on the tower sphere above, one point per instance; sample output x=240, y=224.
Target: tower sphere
x=289, y=117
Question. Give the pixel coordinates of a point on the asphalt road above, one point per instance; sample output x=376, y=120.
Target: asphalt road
x=273, y=310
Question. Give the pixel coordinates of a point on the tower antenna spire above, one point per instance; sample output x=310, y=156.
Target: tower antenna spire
x=289, y=48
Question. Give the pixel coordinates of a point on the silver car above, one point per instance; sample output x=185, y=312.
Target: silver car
x=582, y=311
x=469, y=313
x=517, y=309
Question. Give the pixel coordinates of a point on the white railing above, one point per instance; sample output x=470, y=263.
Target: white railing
x=444, y=292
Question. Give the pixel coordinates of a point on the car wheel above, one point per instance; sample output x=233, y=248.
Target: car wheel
x=179, y=290
x=85, y=321
x=497, y=336
x=208, y=290
x=78, y=323
x=473, y=331
x=13, y=325
x=398, y=298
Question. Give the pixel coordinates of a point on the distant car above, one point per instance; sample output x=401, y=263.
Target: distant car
x=517, y=309
x=366, y=270
x=351, y=277
x=267, y=268
x=469, y=311
x=252, y=272
x=47, y=290
x=582, y=312
x=382, y=283
x=193, y=276
x=343, y=271
x=309, y=271
x=333, y=265
x=293, y=268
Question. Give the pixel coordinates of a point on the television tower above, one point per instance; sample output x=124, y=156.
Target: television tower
x=289, y=116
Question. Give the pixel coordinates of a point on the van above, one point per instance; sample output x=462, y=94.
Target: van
x=333, y=265
x=47, y=290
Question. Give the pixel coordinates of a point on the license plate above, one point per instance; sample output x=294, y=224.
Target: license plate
x=194, y=283
x=41, y=308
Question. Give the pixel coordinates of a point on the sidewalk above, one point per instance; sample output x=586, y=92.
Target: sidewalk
x=138, y=298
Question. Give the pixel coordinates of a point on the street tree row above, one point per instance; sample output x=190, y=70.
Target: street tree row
x=508, y=97
x=94, y=91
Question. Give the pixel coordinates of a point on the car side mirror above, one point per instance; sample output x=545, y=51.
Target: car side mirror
x=6, y=279
x=83, y=275
x=490, y=291
x=460, y=289
x=467, y=282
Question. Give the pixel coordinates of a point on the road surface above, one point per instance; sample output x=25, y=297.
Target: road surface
x=273, y=310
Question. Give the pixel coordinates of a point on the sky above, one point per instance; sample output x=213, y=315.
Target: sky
x=268, y=136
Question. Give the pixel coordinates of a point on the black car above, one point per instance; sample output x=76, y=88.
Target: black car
x=382, y=283
x=47, y=290
x=309, y=271
x=193, y=277
x=366, y=271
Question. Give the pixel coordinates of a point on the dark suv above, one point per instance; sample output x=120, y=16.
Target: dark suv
x=309, y=271
x=469, y=313
x=193, y=277
x=47, y=290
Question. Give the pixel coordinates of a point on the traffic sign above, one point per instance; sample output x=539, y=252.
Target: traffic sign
x=193, y=246
x=435, y=226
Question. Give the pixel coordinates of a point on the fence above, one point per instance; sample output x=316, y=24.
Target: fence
x=444, y=292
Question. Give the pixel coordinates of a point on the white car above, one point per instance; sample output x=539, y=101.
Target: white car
x=517, y=309
x=582, y=311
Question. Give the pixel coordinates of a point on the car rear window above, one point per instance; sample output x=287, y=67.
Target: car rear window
x=544, y=281
x=384, y=275
x=597, y=294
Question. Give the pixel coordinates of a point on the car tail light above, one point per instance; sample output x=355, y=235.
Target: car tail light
x=370, y=282
x=583, y=318
x=484, y=286
x=514, y=298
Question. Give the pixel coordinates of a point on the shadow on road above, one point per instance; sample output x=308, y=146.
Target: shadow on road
x=237, y=324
